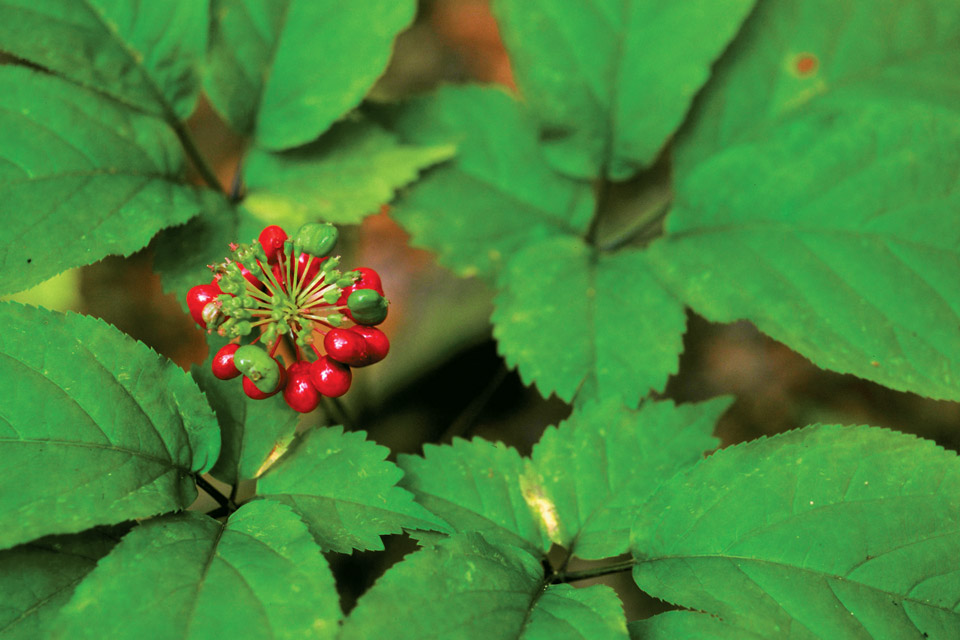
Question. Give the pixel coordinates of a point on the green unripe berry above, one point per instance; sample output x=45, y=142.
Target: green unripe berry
x=317, y=239
x=367, y=307
x=256, y=364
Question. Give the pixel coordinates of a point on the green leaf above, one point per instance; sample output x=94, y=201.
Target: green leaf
x=687, y=625
x=344, y=489
x=38, y=578
x=144, y=54
x=822, y=205
x=463, y=587
x=610, y=80
x=80, y=178
x=498, y=195
x=343, y=177
x=466, y=587
x=576, y=322
x=182, y=254
x=587, y=477
x=253, y=433
x=284, y=71
x=260, y=575
x=475, y=486
x=563, y=611
x=99, y=428
x=826, y=532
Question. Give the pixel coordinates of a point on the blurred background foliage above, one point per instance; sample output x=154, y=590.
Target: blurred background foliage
x=444, y=377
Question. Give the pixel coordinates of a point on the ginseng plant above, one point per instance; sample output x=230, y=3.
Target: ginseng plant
x=792, y=163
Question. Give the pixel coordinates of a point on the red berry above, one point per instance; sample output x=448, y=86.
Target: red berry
x=252, y=391
x=346, y=346
x=330, y=377
x=378, y=346
x=369, y=279
x=300, y=393
x=223, y=366
x=272, y=239
x=199, y=297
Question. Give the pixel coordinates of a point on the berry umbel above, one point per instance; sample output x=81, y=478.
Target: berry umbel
x=277, y=290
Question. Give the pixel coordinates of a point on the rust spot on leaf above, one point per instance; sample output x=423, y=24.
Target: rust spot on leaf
x=805, y=64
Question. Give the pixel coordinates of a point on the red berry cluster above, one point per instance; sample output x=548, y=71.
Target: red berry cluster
x=283, y=289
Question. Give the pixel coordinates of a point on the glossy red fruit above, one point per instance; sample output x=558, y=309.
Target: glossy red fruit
x=329, y=377
x=346, y=346
x=223, y=366
x=272, y=239
x=252, y=391
x=300, y=393
x=199, y=297
x=378, y=346
x=369, y=279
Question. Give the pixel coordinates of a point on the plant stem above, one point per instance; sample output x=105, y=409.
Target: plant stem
x=640, y=226
x=219, y=512
x=603, y=188
x=193, y=152
x=564, y=577
x=463, y=422
x=221, y=499
x=237, y=185
x=343, y=418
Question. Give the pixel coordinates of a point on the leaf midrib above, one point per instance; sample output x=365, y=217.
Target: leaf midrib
x=823, y=574
x=93, y=445
x=41, y=602
x=166, y=109
x=121, y=172
x=789, y=227
x=268, y=66
x=201, y=582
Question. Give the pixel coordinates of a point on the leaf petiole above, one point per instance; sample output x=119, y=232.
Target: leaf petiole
x=564, y=577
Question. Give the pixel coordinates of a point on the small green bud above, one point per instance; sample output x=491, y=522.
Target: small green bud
x=304, y=338
x=330, y=265
x=230, y=304
x=230, y=285
x=269, y=334
x=241, y=328
x=331, y=296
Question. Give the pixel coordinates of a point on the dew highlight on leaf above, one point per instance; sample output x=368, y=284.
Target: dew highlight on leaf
x=542, y=506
